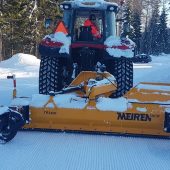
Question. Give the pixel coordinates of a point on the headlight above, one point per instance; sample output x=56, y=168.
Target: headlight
x=112, y=8
x=65, y=6
x=61, y=6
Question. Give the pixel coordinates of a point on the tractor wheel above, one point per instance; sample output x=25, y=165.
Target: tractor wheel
x=122, y=69
x=54, y=74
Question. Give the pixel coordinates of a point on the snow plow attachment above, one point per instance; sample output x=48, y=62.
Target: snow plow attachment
x=85, y=106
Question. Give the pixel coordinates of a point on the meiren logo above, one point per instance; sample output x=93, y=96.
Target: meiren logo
x=133, y=116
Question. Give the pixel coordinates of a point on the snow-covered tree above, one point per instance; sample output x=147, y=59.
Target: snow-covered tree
x=163, y=32
x=153, y=29
x=136, y=33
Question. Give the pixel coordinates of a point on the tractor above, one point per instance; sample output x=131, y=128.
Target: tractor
x=85, y=81
x=62, y=61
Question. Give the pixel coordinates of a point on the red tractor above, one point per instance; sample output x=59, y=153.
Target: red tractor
x=77, y=45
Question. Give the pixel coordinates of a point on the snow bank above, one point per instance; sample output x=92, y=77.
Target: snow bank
x=20, y=59
x=62, y=38
x=112, y=44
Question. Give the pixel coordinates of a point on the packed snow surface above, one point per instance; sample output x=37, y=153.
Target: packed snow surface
x=70, y=151
x=3, y=109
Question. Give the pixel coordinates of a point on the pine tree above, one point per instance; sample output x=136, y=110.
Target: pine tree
x=136, y=34
x=127, y=19
x=145, y=41
x=22, y=24
x=154, y=30
x=163, y=36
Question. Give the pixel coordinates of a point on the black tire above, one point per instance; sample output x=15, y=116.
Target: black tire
x=10, y=126
x=122, y=69
x=54, y=74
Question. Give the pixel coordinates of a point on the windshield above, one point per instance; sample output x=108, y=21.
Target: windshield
x=88, y=25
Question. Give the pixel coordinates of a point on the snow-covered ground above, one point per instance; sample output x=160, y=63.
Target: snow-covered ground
x=69, y=151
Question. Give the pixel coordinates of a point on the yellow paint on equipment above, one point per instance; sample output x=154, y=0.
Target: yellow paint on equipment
x=145, y=114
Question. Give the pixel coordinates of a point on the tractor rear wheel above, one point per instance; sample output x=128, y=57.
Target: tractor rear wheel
x=54, y=74
x=122, y=69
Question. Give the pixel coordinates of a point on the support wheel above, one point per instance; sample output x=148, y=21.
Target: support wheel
x=9, y=126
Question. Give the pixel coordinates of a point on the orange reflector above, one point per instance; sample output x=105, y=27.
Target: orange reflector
x=61, y=28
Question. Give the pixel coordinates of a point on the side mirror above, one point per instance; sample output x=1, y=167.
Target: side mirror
x=48, y=23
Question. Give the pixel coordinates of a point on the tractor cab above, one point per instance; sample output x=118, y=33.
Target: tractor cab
x=86, y=35
x=90, y=22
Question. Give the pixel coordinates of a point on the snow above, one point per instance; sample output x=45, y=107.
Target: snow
x=107, y=104
x=20, y=102
x=62, y=38
x=119, y=53
x=3, y=109
x=60, y=100
x=75, y=102
x=19, y=60
x=92, y=82
x=141, y=109
x=153, y=87
x=155, y=101
x=113, y=41
x=70, y=151
x=167, y=110
x=89, y=3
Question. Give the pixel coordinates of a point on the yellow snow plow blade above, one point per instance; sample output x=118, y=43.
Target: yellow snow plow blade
x=85, y=106
x=150, y=93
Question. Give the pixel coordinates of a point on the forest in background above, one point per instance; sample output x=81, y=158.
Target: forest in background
x=22, y=25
